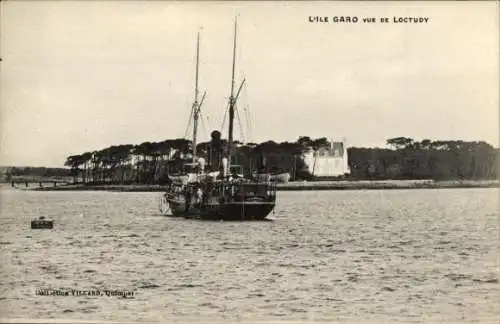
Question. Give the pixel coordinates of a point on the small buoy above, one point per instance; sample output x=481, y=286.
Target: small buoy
x=42, y=223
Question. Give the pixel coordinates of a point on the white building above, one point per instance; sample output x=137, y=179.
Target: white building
x=330, y=161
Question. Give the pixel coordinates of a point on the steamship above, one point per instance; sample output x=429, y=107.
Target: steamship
x=218, y=189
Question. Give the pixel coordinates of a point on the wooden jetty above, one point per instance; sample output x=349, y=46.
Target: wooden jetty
x=40, y=183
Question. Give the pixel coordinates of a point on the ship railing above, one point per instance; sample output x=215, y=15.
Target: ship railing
x=243, y=189
x=255, y=189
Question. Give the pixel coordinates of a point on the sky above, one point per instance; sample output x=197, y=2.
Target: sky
x=79, y=76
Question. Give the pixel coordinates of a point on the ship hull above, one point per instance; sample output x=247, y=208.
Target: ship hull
x=229, y=211
x=240, y=211
x=227, y=200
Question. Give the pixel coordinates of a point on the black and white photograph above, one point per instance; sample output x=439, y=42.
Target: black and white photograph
x=249, y=161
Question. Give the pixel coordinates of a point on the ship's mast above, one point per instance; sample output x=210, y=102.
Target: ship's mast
x=196, y=107
x=232, y=99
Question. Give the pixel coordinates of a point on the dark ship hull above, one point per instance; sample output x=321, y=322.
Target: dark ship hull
x=231, y=211
x=242, y=206
x=245, y=211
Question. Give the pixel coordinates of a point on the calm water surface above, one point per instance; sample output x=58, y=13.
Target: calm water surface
x=397, y=255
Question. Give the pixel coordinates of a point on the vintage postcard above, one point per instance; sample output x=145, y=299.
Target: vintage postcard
x=249, y=161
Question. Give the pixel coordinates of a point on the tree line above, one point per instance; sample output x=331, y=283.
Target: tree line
x=438, y=160
x=150, y=162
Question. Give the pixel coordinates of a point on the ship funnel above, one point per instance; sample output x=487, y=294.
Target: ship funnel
x=224, y=166
x=215, y=150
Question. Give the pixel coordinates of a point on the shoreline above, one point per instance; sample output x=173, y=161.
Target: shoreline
x=297, y=186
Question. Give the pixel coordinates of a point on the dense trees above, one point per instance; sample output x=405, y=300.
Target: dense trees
x=439, y=160
x=142, y=163
x=149, y=162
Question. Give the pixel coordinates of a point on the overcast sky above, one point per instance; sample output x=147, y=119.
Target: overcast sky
x=80, y=76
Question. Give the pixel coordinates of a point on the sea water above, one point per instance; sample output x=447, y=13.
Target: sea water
x=349, y=256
